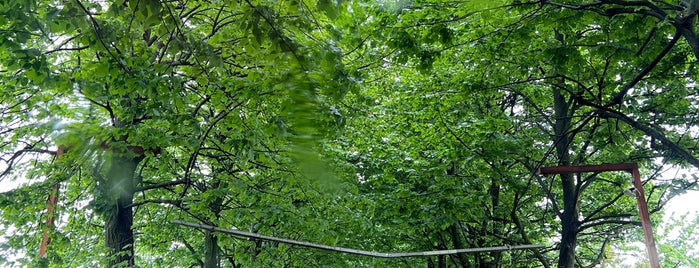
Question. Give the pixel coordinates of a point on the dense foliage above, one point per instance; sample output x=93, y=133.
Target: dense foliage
x=389, y=126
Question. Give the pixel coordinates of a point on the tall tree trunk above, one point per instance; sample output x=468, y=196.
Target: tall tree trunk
x=212, y=254
x=118, y=234
x=569, y=223
x=442, y=261
x=494, y=192
x=569, y=217
x=457, y=243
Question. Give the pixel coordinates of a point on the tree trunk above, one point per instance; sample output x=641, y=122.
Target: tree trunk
x=569, y=223
x=211, y=251
x=457, y=243
x=569, y=217
x=494, y=192
x=689, y=23
x=118, y=234
x=430, y=263
x=442, y=261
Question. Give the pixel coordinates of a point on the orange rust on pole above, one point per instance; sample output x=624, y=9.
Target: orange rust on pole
x=594, y=168
x=50, y=210
x=640, y=198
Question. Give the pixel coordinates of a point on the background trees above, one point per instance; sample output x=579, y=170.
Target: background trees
x=154, y=100
x=387, y=126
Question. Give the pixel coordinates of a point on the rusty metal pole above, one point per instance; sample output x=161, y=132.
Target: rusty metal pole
x=640, y=198
x=51, y=204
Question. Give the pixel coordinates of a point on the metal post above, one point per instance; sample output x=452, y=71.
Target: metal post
x=640, y=198
x=52, y=202
x=645, y=220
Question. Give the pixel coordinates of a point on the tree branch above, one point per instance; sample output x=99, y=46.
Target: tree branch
x=574, y=7
x=590, y=225
x=66, y=49
x=619, y=97
x=674, y=147
x=601, y=254
x=590, y=217
x=97, y=30
x=161, y=185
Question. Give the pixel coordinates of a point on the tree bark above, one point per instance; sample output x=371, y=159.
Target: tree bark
x=118, y=235
x=569, y=217
x=457, y=243
x=212, y=251
x=442, y=261
x=494, y=192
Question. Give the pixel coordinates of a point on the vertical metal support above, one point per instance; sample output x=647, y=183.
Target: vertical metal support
x=51, y=204
x=645, y=220
x=640, y=198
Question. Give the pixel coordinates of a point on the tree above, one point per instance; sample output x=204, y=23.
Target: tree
x=151, y=97
x=600, y=79
x=431, y=118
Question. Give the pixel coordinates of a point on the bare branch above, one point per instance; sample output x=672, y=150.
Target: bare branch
x=66, y=49
x=18, y=154
x=591, y=216
x=601, y=255
x=598, y=223
x=177, y=203
x=654, y=133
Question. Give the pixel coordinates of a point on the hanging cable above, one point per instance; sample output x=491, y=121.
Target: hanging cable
x=354, y=251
